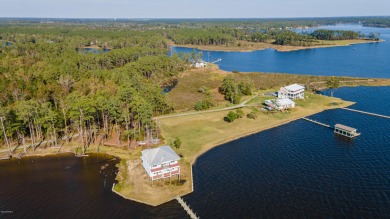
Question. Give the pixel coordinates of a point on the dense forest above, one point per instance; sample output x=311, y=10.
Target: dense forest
x=51, y=87
x=229, y=36
x=215, y=36
x=334, y=35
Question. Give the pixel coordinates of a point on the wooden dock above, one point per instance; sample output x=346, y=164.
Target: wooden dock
x=316, y=122
x=186, y=208
x=368, y=113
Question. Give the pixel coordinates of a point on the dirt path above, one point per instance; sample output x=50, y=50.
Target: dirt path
x=206, y=111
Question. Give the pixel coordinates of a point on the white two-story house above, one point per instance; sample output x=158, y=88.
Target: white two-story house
x=292, y=92
x=161, y=162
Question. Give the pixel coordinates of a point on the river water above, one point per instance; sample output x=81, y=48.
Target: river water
x=359, y=60
x=69, y=187
x=303, y=170
x=94, y=50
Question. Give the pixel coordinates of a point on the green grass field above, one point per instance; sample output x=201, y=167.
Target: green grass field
x=201, y=132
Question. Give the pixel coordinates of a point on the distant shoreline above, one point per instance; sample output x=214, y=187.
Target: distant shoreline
x=250, y=47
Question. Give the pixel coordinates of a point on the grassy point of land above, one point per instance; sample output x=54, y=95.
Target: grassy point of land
x=201, y=132
x=244, y=46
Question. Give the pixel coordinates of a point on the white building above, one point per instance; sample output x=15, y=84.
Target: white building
x=294, y=91
x=200, y=64
x=280, y=103
x=161, y=162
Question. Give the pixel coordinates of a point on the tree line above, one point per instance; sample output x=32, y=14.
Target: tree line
x=232, y=36
x=334, y=34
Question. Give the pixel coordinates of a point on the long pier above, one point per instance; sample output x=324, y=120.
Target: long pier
x=368, y=113
x=186, y=208
x=218, y=60
x=316, y=122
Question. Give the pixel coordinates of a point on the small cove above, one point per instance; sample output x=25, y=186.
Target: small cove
x=359, y=60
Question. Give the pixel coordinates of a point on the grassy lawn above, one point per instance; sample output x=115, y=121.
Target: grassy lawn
x=201, y=132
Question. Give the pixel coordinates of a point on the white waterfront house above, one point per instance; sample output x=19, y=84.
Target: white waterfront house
x=161, y=162
x=294, y=91
x=280, y=103
x=200, y=64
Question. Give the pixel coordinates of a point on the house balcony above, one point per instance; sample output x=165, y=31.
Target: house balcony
x=163, y=167
x=166, y=175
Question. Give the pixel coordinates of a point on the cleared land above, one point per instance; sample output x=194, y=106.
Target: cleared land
x=244, y=46
x=185, y=94
x=201, y=132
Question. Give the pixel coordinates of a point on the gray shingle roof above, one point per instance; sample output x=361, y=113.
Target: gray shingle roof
x=160, y=155
x=294, y=87
x=346, y=128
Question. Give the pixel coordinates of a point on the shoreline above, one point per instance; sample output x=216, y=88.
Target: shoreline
x=264, y=46
x=127, y=198
x=252, y=133
x=208, y=147
x=191, y=161
x=261, y=130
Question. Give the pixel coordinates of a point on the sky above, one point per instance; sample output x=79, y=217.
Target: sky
x=192, y=8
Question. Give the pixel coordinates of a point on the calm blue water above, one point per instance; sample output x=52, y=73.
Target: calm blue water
x=362, y=60
x=370, y=99
x=93, y=50
x=302, y=170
